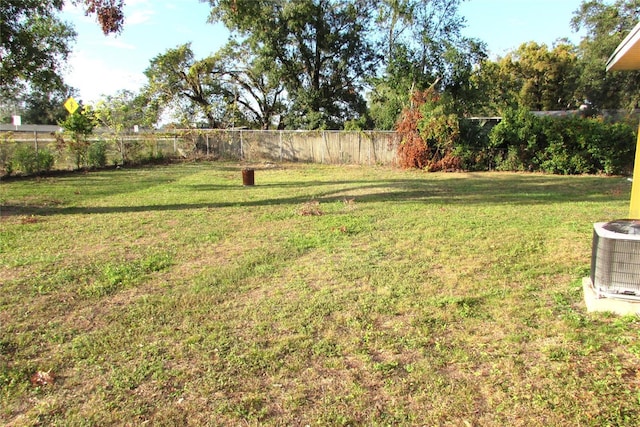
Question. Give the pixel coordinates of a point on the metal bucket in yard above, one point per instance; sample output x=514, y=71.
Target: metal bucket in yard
x=247, y=177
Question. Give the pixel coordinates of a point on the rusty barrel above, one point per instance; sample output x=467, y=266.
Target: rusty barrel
x=247, y=177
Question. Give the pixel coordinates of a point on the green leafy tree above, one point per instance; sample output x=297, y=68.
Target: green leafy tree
x=77, y=128
x=423, y=45
x=34, y=43
x=606, y=25
x=497, y=87
x=46, y=107
x=119, y=114
x=318, y=47
x=253, y=85
x=390, y=94
x=192, y=87
x=421, y=31
x=36, y=105
x=457, y=82
x=124, y=110
x=393, y=18
x=386, y=102
x=541, y=79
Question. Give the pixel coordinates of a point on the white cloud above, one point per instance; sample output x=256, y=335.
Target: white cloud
x=94, y=77
x=118, y=44
x=76, y=14
x=137, y=2
x=139, y=17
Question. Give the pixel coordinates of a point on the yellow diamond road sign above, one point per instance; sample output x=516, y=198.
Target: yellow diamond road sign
x=71, y=105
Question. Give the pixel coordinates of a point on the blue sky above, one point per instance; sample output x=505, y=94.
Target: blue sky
x=103, y=65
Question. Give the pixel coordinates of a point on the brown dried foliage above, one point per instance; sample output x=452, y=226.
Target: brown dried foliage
x=42, y=378
x=311, y=208
x=415, y=151
x=108, y=13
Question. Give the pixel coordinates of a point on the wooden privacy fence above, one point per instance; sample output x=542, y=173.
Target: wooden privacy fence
x=331, y=147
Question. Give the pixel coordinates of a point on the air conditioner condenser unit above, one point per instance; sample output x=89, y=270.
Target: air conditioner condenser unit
x=615, y=259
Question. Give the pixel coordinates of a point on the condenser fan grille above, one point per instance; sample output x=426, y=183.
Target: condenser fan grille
x=615, y=259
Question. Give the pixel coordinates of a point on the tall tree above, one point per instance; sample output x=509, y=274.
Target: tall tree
x=254, y=85
x=496, y=87
x=319, y=47
x=606, y=25
x=393, y=18
x=34, y=43
x=124, y=110
x=46, y=106
x=462, y=60
x=176, y=79
x=119, y=114
x=544, y=79
x=420, y=29
x=423, y=45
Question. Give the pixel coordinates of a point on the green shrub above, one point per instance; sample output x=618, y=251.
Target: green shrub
x=6, y=144
x=132, y=151
x=510, y=161
x=516, y=141
x=613, y=145
x=28, y=161
x=25, y=159
x=97, y=154
x=8, y=168
x=568, y=145
x=577, y=145
x=560, y=147
x=472, y=148
x=45, y=160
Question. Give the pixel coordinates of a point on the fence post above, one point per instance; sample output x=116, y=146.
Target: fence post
x=122, y=153
x=280, y=132
x=207, y=138
x=35, y=139
x=241, y=146
x=175, y=144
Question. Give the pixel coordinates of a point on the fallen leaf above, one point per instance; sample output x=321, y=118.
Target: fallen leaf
x=43, y=378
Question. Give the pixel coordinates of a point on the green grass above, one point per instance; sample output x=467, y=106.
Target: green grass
x=324, y=295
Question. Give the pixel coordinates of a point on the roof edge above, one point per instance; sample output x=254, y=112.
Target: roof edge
x=629, y=41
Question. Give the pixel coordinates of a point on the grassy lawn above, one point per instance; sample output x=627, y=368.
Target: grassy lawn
x=324, y=295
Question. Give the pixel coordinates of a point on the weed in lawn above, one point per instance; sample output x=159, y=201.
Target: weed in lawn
x=112, y=277
x=311, y=208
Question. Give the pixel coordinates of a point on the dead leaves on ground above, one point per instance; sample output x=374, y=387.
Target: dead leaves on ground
x=42, y=378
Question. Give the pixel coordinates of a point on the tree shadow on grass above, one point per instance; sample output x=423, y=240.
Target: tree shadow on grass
x=470, y=189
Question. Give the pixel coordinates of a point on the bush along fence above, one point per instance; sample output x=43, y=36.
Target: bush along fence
x=569, y=145
x=434, y=139
x=36, y=151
